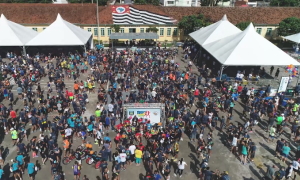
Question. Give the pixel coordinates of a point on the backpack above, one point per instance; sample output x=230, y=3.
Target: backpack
x=57, y=177
x=128, y=153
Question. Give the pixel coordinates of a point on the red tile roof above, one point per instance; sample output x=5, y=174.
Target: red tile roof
x=86, y=13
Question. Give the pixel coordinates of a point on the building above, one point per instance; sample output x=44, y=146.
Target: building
x=182, y=3
x=138, y=18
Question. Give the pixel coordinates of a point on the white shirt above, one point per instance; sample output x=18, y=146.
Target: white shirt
x=132, y=149
x=295, y=165
x=181, y=166
x=68, y=131
x=153, y=93
x=234, y=141
x=123, y=157
x=99, y=135
x=110, y=107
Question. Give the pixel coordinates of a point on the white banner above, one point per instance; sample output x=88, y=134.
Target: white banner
x=283, y=84
x=153, y=114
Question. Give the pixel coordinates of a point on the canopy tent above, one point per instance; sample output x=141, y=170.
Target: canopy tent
x=13, y=34
x=133, y=36
x=295, y=38
x=62, y=33
x=248, y=48
x=214, y=32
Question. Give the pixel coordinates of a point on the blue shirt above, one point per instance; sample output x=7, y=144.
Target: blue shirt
x=106, y=138
x=286, y=150
x=15, y=166
x=20, y=159
x=1, y=173
x=30, y=168
x=90, y=127
x=157, y=176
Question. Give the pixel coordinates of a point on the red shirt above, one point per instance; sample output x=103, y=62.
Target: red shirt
x=119, y=126
x=196, y=93
x=13, y=114
x=239, y=88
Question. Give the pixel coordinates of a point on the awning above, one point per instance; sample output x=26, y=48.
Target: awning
x=133, y=36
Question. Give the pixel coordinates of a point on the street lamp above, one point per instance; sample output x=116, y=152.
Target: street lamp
x=98, y=36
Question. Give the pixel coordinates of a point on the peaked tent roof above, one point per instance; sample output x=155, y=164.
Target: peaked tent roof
x=248, y=48
x=295, y=38
x=61, y=33
x=13, y=34
x=214, y=32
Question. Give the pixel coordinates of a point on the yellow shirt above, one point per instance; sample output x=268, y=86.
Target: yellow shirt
x=90, y=85
x=138, y=153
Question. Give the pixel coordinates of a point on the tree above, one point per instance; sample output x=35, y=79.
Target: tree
x=243, y=25
x=192, y=23
x=289, y=26
x=115, y=28
x=286, y=3
x=152, y=29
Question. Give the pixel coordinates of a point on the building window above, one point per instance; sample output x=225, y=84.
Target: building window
x=169, y=32
x=44, y=28
x=142, y=30
x=170, y=2
x=161, y=31
x=132, y=30
x=258, y=30
x=89, y=29
x=102, y=32
x=95, y=31
x=175, y=32
x=188, y=2
x=121, y=30
x=269, y=32
x=108, y=31
x=35, y=29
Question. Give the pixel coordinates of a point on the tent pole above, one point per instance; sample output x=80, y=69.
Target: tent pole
x=84, y=48
x=221, y=72
x=24, y=51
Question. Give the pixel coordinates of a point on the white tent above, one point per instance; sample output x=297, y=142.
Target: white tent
x=248, y=48
x=295, y=38
x=214, y=32
x=13, y=34
x=61, y=33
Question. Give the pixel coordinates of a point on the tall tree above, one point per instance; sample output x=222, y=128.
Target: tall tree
x=115, y=28
x=289, y=26
x=242, y=25
x=192, y=23
x=285, y=3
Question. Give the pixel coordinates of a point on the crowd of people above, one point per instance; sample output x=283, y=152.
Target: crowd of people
x=62, y=128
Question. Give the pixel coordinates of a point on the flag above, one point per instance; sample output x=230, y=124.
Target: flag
x=131, y=15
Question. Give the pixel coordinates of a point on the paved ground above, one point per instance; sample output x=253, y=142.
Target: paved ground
x=221, y=157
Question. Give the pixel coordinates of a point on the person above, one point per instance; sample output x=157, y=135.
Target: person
x=244, y=153
x=181, y=165
x=156, y=175
x=1, y=173
x=270, y=174
x=285, y=152
x=167, y=170
x=31, y=170
x=296, y=167
x=138, y=156
x=272, y=134
x=76, y=170
x=15, y=170
x=21, y=164
x=225, y=176
x=277, y=73
x=289, y=171
x=280, y=174
x=271, y=70
x=14, y=135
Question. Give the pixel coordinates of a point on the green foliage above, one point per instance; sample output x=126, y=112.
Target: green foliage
x=242, y=25
x=153, y=2
x=25, y=1
x=152, y=29
x=286, y=3
x=192, y=23
x=289, y=26
x=115, y=28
